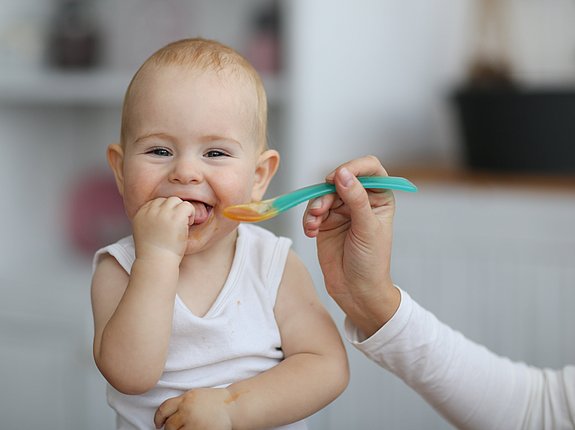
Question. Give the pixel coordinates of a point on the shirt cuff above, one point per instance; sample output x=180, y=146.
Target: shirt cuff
x=386, y=333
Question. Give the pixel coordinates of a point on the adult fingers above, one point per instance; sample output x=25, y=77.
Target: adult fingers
x=316, y=212
x=364, y=166
x=354, y=195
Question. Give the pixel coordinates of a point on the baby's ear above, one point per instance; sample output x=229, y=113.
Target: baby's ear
x=115, y=155
x=266, y=167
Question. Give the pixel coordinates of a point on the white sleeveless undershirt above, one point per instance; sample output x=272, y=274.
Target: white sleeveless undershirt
x=237, y=338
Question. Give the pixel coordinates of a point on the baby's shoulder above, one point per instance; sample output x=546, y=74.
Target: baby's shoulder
x=123, y=251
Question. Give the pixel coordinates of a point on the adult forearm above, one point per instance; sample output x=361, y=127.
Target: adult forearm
x=469, y=385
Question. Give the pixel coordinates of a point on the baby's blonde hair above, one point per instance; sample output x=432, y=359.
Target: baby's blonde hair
x=204, y=55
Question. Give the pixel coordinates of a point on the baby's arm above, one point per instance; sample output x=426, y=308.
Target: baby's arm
x=133, y=314
x=313, y=373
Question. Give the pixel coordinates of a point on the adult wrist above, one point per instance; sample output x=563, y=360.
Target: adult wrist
x=373, y=313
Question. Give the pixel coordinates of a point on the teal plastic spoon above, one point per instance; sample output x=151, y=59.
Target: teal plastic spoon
x=266, y=209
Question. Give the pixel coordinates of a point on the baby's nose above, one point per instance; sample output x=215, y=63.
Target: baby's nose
x=185, y=172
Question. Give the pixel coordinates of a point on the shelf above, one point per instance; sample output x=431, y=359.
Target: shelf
x=93, y=88
x=484, y=179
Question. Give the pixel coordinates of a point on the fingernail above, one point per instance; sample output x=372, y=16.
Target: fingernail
x=346, y=177
x=316, y=204
x=310, y=218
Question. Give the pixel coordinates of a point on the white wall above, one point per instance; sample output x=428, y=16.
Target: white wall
x=372, y=77
x=366, y=78
x=369, y=78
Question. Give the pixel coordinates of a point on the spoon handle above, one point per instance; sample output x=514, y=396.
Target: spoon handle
x=289, y=200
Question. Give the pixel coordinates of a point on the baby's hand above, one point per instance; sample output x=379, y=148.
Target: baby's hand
x=161, y=226
x=201, y=409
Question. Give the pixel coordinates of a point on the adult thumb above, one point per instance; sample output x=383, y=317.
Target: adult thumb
x=354, y=195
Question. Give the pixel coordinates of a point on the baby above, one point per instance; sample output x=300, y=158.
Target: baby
x=199, y=321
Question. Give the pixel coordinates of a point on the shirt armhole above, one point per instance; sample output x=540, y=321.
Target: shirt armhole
x=277, y=265
x=121, y=253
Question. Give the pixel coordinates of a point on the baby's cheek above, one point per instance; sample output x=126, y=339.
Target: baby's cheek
x=132, y=205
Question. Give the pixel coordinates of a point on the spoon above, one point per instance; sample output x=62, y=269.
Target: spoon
x=266, y=209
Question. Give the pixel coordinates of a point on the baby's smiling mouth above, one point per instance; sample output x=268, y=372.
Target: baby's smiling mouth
x=202, y=211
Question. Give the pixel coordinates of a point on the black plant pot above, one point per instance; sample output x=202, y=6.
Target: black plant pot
x=505, y=129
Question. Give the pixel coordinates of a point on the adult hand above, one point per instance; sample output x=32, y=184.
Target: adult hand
x=354, y=235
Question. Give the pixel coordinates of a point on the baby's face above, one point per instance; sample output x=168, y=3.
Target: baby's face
x=192, y=136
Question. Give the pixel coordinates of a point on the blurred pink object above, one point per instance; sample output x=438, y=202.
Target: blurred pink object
x=264, y=52
x=96, y=213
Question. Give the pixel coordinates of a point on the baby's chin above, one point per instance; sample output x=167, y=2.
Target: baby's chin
x=211, y=232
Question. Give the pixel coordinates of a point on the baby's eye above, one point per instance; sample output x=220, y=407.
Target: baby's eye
x=160, y=152
x=215, y=153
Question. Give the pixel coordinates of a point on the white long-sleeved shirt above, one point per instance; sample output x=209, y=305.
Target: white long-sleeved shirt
x=470, y=386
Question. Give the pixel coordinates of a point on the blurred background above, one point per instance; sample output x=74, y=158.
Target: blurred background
x=473, y=100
